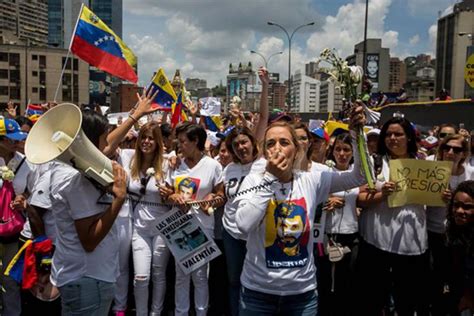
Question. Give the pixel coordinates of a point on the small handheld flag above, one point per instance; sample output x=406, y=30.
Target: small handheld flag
x=95, y=43
x=166, y=96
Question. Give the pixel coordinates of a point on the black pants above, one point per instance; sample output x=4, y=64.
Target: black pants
x=381, y=273
x=442, y=303
x=341, y=301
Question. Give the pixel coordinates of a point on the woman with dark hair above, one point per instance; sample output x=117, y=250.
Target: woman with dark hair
x=243, y=144
x=453, y=148
x=460, y=234
x=85, y=264
x=206, y=175
x=337, y=278
x=394, y=239
x=279, y=276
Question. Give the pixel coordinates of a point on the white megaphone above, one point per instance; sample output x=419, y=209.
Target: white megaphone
x=58, y=135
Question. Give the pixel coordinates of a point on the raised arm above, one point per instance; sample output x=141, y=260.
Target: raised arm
x=142, y=108
x=263, y=121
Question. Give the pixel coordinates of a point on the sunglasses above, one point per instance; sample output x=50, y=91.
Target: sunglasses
x=456, y=150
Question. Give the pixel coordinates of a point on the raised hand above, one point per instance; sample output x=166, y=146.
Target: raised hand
x=143, y=106
x=263, y=75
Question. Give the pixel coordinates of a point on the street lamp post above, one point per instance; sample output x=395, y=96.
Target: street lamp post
x=290, y=37
x=266, y=60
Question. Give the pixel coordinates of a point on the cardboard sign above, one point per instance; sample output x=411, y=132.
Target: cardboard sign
x=419, y=182
x=189, y=243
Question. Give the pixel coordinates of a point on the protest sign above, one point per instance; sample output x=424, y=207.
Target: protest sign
x=418, y=182
x=210, y=106
x=190, y=245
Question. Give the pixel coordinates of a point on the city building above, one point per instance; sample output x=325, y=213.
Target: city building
x=24, y=22
x=63, y=16
x=125, y=95
x=242, y=81
x=305, y=93
x=422, y=87
x=420, y=78
x=330, y=99
x=195, y=84
x=31, y=75
x=397, y=75
x=311, y=69
x=451, y=48
x=377, y=63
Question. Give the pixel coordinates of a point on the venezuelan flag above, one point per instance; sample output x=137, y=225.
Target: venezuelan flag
x=33, y=112
x=178, y=114
x=213, y=123
x=166, y=96
x=94, y=42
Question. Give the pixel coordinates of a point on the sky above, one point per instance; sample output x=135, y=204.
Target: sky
x=202, y=37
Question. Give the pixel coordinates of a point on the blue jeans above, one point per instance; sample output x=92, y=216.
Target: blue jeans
x=253, y=303
x=235, y=251
x=87, y=296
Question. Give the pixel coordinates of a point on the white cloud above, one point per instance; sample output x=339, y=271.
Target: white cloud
x=415, y=39
x=346, y=28
x=202, y=37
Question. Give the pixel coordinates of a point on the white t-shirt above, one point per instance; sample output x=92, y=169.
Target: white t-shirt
x=278, y=221
x=344, y=220
x=233, y=176
x=400, y=230
x=74, y=197
x=150, y=205
x=40, y=197
x=197, y=182
x=24, y=173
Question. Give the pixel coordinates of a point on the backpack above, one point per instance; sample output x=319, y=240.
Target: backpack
x=11, y=221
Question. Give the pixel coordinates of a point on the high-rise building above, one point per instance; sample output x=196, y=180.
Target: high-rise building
x=397, y=75
x=305, y=93
x=195, y=84
x=55, y=23
x=330, y=99
x=31, y=74
x=451, y=48
x=24, y=22
x=242, y=82
x=377, y=63
x=420, y=78
x=311, y=69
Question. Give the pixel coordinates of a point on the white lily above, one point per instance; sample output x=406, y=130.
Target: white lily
x=150, y=172
x=356, y=74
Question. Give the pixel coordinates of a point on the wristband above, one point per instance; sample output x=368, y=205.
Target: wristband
x=133, y=119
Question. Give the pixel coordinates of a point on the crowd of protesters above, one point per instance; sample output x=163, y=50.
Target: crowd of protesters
x=413, y=259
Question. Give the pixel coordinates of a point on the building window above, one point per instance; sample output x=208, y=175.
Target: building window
x=15, y=76
x=42, y=77
x=67, y=79
x=35, y=90
x=68, y=66
x=3, y=74
x=42, y=93
x=14, y=93
x=75, y=65
x=14, y=59
x=42, y=61
x=34, y=57
x=3, y=56
x=35, y=74
x=3, y=90
x=66, y=95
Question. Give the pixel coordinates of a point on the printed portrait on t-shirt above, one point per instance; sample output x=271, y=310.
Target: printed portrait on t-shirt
x=287, y=233
x=187, y=187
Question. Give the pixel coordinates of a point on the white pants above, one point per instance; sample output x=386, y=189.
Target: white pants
x=149, y=251
x=124, y=229
x=11, y=294
x=201, y=291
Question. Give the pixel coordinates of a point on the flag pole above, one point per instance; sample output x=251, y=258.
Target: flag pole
x=68, y=54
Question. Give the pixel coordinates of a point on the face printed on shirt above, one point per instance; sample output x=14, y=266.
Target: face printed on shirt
x=287, y=234
x=187, y=187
